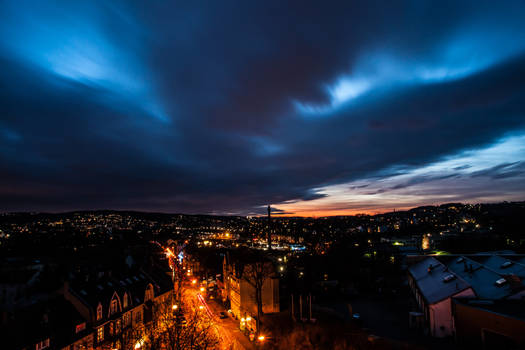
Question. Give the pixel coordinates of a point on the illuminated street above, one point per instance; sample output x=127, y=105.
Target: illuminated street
x=227, y=329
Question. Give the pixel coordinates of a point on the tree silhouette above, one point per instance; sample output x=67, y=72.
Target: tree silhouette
x=255, y=274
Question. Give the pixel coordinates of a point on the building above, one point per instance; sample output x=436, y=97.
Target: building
x=114, y=305
x=486, y=324
x=434, y=286
x=89, y=312
x=241, y=294
x=53, y=323
x=437, y=281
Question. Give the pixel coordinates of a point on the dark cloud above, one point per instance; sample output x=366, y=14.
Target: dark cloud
x=193, y=108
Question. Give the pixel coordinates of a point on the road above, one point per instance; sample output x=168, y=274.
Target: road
x=231, y=338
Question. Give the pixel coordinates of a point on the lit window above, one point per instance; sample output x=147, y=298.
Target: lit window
x=100, y=334
x=125, y=301
x=81, y=327
x=99, y=311
x=118, y=326
x=149, y=293
x=44, y=344
x=113, y=307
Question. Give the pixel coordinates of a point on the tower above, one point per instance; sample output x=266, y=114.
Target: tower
x=269, y=229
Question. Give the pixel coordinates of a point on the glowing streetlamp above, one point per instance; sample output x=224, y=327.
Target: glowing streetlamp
x=260, y=338
x=139, y=344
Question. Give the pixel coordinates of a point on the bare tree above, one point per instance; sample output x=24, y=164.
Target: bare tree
x=256, y=274
x=173, y=330
x=175, y=326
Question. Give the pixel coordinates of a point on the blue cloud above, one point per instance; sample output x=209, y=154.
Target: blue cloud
x=228, y=106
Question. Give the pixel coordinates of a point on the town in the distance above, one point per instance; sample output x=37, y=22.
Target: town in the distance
x=448, y=276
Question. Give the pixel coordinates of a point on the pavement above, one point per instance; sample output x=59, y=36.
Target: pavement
x=227, y=329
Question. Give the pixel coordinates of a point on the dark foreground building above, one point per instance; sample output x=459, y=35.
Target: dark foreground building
x=486, y=324
x=479, y=299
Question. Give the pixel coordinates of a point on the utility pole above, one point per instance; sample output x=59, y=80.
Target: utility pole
x=310, y=305
x=269, y=229
x=301, y=307
x=293, y=312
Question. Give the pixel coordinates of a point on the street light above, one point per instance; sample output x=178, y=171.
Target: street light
x=202, y=289
x=139, y=344
x=174, y=307
x=201, y=307
x=260, y=338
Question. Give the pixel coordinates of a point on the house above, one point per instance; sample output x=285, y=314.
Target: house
x=115, y=304
x=53, y=323
x=239, y=288
x=434, y=286
x=436, y=281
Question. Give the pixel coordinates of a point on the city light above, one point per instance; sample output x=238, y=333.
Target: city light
x=139, y=344
x=301, y=165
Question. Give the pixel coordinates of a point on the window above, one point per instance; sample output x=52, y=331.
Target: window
x=111, y=328
x=118, y=326
x=81, y=327
x=113, y=306
x=127, y=319
x=138, y=317
x=99, y=311
x=100, y=334
x=44, y=344
x=149, y=293
x=125, y=301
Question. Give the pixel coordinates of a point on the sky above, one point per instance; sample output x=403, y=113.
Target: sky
x=220, y=107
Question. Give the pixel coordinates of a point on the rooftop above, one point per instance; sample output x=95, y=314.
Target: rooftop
x=435, y=281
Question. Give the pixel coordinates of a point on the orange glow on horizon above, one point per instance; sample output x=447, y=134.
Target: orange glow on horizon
x=317, y=213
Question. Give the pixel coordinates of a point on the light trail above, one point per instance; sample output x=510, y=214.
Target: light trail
x=216, y=324
x=208, y=311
